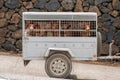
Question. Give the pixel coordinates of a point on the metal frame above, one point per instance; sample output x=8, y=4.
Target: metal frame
x=80, y=48
x=110, y=56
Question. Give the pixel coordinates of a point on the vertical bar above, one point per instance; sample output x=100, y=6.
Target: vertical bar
x=23, y=28
x=59, y=28
x=110, y=49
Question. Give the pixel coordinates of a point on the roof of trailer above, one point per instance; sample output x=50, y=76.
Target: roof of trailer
x=60, y=13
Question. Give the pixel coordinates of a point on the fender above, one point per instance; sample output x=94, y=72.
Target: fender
x=58, y=49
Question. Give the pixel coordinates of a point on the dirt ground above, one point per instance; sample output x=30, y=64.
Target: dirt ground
x=11, y=66
x=115, y=63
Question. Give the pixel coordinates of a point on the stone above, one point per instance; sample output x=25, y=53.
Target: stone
x=86, y=9
x=104, y=10
x=91, y=2
x=16, y=10
x=3, y=32
x=40, y=4
x=112, y=18
x=98, y=2
x=116, y=23
x=2, y=40
x=67, y=4
x=12, y=27
x=28, y=5
x=78, y=7
x=74, y=1
x=15, y=18
x=21, y=2
x=34, y=10
x=20, y=25
x=107, y=32
x=106, y=24
x=53, y=5
x=105, y=49
x=118, y=7
x=2, y=14
x=103, y=34
x=1, y=49
x=27, y=0
x=8, y=46
x=43, y=10
x=60, y=9
x=17, y=34
x=3, y=22
x=85, y=4
x=114, y=13
x=22, y=9
x=115, y=4
x=12, y=41
x=117, y=38
x=34, y=0
x=101, y=1
x=12, y=4
x=99, y=24
x=106, y=17
x=95, y=9
x=9, y=14
x=110, y=6
x=1, y=3
x=18, y=44
x=60, y=0
x=8, y=35
x=4, y=9
x=105, y=4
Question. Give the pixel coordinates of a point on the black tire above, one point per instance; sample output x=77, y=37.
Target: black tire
x=99, y=43
x=58, y=66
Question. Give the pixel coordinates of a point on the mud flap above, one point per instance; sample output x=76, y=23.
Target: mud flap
x=26, y=62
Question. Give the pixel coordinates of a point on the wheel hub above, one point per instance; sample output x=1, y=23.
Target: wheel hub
x=58, y=66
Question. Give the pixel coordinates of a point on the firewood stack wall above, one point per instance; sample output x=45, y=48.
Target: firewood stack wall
x=11, y=13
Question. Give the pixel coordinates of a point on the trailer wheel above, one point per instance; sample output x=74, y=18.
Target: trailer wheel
x=58, y=66
x=99, y=43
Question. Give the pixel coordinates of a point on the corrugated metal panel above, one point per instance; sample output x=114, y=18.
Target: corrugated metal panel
x=56, y=16
x=47, y=17
x=85, y=17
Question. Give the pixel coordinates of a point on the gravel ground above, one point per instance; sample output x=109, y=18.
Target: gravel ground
x=12, y=67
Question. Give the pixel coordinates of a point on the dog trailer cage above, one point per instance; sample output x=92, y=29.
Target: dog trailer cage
x=59, y=38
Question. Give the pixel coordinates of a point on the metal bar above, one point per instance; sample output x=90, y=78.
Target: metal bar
x=59, y=27
x=109, y=57
x=110, y=49
x=110, y=54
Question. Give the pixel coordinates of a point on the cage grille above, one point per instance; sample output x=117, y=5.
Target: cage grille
x=60, y=28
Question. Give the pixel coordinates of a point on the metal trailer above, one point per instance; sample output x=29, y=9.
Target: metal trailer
x=59, y=38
